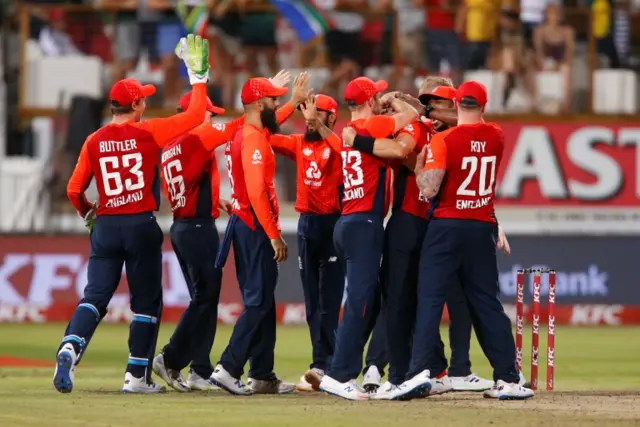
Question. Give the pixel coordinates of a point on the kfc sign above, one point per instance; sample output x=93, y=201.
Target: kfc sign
x=562, y=164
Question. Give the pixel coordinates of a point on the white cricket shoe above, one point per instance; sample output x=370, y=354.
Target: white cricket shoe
x=349, y=390
x=523, y=381
x=508, y=391
x=140, y=385
x=225, y=381
x=372, y=380
x=305, y=385
x=172, y=377
x=65, y=369
x=470, y=383
x=276, y=386
x=384, y=392
x=441, y=385
x=197, y=383
x=418, y=386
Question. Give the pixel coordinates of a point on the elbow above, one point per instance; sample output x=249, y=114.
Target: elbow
x=429, y=193
x=401, y=151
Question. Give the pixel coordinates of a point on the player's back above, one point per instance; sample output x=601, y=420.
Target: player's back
x=188, y=170
x=474, y=153
x=366, y=178
x=124, y=159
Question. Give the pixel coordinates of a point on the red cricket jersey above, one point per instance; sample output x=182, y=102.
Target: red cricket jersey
x=437, y=18
x=471, y=156
x=406, y=195
x=190, y=177
x=124, y=160
x=251, y=164
x=318, y=171
x=367, y=179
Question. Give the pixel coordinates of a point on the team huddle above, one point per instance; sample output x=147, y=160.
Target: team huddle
x=431, y=161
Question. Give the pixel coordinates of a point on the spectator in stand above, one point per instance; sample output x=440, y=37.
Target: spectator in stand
x=512, y=47
x=410, y=20
x=225, y=40
x=258, y=35
x=53, y=39
x=476, y=23
x=610, y=26
x=441, y=40
x=343, y=41
x=129, y=37
x=531, y=15
x=554, y=44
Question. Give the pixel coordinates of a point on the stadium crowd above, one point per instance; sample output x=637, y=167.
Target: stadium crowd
x=395, y=39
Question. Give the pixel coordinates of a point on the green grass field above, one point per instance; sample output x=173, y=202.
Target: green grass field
x=597, y=383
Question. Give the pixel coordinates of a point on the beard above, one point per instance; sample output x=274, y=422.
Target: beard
x=268, y=118
x=314, y=135
x=439, y=127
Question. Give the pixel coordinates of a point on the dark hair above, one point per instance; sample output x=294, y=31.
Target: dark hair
x=117, y=109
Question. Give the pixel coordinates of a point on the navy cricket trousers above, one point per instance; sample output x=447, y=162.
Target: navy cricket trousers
x=322, y=276
x=399, y=278
x=464, y=250
x=358, y=239
x=134, y=241
x=254, y=334
x=195, y=243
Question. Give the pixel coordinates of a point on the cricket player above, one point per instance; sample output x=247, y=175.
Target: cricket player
x=318, y=182
x=257, y=243
x=192, y=186
x=123, y=157
x=359, y=233
x=459, y=177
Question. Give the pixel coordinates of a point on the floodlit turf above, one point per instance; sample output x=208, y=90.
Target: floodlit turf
x=597, y=382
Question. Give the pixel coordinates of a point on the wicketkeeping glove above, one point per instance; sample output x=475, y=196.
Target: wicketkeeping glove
x=90, y=219
x=194, y=51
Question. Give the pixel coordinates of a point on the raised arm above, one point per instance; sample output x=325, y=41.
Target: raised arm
x=214, y=136
x=167, y=129
x=285, y=144
x=79, y=182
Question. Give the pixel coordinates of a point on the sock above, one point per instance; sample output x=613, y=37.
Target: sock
x=80, y=329
x=143, y=333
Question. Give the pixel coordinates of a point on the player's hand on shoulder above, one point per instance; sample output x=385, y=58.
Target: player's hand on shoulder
x=348, y=136
x=194, y=52
x=280, y=249
x=503, y=243
x=225, y=205
x=281, y=79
